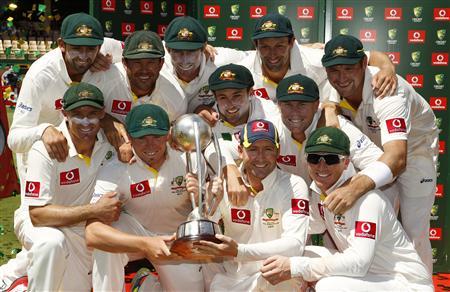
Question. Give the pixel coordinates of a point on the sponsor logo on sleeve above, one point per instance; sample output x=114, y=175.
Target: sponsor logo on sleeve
x=211, y=11
x=392, y=14
x=32, y=189
x=180, y=9
x=394, y=56
x=441, y=14
x=260, y=127
x=439, y=59
x=140, y=189
x=300, y=206
x=25, y=107
x=365, y=229
x=396, y=125
x=305, y=12
x=241, y=216
x=121, y=107
x=127, y=28
x=415, y=80
x=261, y=93
x=416, y=36
x=147, y=7
x=258, y=11
x=438, y=103
x=435, y=233
x=69, y=177
x=108, y=5
x=234, y=33
x=290, y=160
x=368, y=35
x=439, y=191
x=344, y=13
x=58, y=104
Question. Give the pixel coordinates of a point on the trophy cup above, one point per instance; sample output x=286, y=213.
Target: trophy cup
x=191, y=133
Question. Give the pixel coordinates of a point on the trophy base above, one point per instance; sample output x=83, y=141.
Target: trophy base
x=194, y=231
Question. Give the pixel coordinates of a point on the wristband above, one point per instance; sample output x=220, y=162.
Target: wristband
x=379, y=172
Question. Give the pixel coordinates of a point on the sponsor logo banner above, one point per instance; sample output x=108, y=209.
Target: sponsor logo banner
x=258, y=11
x=415, y=80
x=435, y=233
x=161, y=29
x=305, y=12
x=439, y=191
x=438, y=103
x=300, y=206
x=211, y=11
x=108, y=5
x=344, y=13
x=441, y=14
x=442, y=147
x=261, y=93
x=365, y=229
x=260, y=127
x=416, y=36
x=392, y=14
x=140, y=189
x=234, y=33
x=127, y=28
x=147, y=7
x=69, y=177
x=180, y=9
x=439, y=59
x=241, y=216
x=394, y=56
x=368, y=35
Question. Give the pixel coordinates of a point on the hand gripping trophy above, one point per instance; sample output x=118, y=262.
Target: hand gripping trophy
x=191, y=133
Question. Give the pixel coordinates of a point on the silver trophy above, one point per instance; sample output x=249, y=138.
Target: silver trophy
x=191, y=133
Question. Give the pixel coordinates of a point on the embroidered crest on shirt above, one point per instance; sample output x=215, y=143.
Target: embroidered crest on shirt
x=339, y=222
x=83, y=31
x=372, y=124
x=268, y=25
x=271, y=218
x=185, y=35
x=178, y=185
x=227, y=75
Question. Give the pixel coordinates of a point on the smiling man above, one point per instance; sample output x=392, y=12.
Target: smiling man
x=374, y=252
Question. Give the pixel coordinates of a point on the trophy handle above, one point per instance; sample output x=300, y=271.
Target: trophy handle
x=198, y=150
x=213, y=204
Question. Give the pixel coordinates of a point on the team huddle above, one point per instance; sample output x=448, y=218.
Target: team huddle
x=313, y=141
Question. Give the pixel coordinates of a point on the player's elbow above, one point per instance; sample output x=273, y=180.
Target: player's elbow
x=91, y=234
x=360, y=266
x=37, y=216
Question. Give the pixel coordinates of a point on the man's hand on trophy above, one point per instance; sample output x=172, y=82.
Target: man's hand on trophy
x=228, y=247
x=215, y=195
x=157, y=248
x=208, y=114
x=192, y=185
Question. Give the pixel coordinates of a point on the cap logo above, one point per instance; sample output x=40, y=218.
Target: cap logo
x=295, y=88
x=83, y=31
x=268, y=25
x=148, y=122
x=145, y=46
x=185, y=34
x=324, y=139
x=227, y=75
x=85, y=94
x=340, y=51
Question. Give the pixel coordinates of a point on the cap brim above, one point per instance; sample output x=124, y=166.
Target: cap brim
x=271, y=34
x=226, y=85
x=146, y=132
x=84, y=42
x=83, y=103
x=189, y=46
x=341, y=61
x=144, y=56
x=325, y=149
x=298, y=97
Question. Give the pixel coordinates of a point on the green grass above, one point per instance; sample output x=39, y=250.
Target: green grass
x=8, y=240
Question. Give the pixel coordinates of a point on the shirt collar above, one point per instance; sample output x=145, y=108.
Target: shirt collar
x=268, y=182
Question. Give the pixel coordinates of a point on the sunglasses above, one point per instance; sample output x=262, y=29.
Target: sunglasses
x=329, y=159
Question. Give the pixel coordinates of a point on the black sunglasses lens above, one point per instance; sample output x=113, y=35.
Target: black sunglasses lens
x=330, y=159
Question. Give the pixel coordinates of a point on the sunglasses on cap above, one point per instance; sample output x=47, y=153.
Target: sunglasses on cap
x=329, y=159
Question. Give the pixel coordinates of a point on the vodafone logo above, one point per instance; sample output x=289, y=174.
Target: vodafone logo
x=127, y=28
x=416, y=36
x=179, y=9
x=140, y=189
x=393, y=14
x=344, y=13
x=58, y=104
x=121, y=107
x=258, y=11
x=108, y=5
x=441, y=14
x=261, y=93
x=241, y=216
x=441, y=147
x=147, y=7
x=439, y=59
x=211, y=11
x=69, y=177
x=32, y=189
x=365, y=229
x=162, y=29
x=396, y=125
x=287, y=160
x=305, y=12
x=300, y=206
x=394, y=56
x=260, y=126
x=438, y=103
x=439, y=191
x=435, y=233
x=368, y=35
x=415, y=80
x=234, y=33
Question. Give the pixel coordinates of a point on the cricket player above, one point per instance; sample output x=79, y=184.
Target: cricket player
x=38, y=110
x=155, y=202
x=402, y=123
x=57, y=195
x=274, y=220
x=374, y=252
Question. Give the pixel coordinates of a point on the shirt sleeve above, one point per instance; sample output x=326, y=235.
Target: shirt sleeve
x=113, y=47
x=362, y=150
x=25, y=129
x=295, y=229
x=226, y=55
x=108, y=179
x=355, y=260
x=41, y=177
